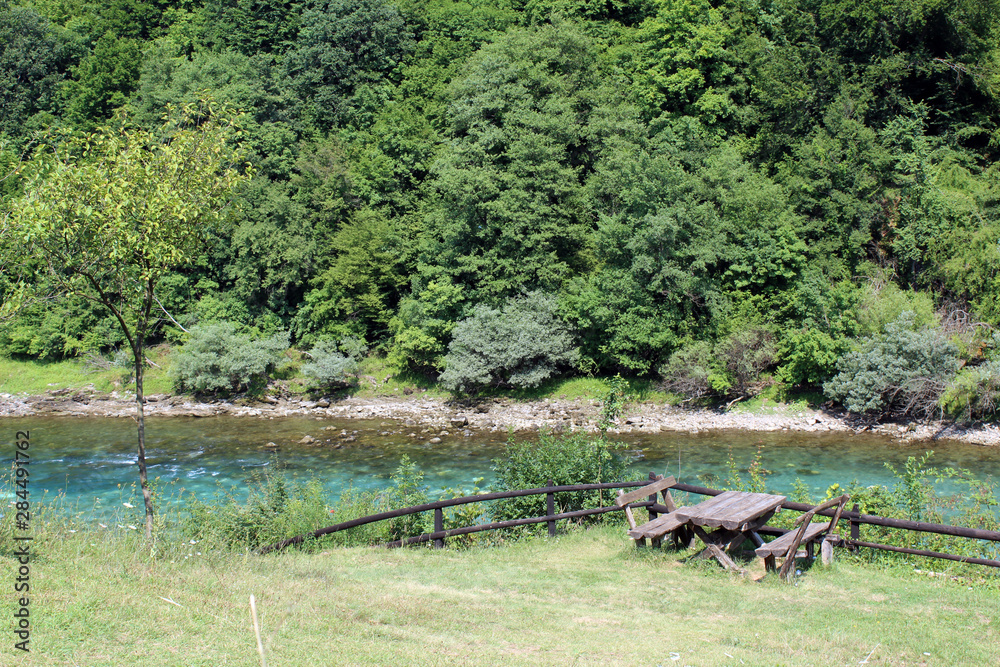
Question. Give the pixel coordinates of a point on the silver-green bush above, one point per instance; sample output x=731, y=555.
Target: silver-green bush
x=217, y=358
x=331, y=364
x=521, y=345
x=900, y=372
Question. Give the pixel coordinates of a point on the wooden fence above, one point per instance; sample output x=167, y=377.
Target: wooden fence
x=439, y=534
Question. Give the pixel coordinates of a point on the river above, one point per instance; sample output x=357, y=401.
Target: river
x=86, y=459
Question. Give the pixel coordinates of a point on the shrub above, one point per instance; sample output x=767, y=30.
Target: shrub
x=406, y=490
x=615, y=399
x=974, y=393
x=900, y=372
x=809, y=357
x=884, y=304
x=689, y=371
x=915, y=496
x=744, y=357
x=275, y=509
x=331, y=364
x=733, y=367
x=521, y=345
x=573, y=459
x=217, y=358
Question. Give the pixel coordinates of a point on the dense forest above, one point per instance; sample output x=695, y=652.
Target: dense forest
x=717, y=195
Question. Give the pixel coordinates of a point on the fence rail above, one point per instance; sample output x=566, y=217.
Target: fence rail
x=439, y=534
x=454, y=502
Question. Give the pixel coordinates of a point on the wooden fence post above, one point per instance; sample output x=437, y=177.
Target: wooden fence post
x=656, y=541
x=855, y=528
x=438, y=527
x=652, y=498
x=550, y=509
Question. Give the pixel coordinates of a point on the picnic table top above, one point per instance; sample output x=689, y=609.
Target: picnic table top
x=731, y=509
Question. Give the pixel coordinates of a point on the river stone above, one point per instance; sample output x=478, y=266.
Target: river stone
x=322, y=403
x=308, y=440
x=435, y=441
x=458, y=421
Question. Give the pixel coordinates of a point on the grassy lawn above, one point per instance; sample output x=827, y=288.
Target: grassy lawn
x=376, y=378
x=34, y=377
x=585, y=598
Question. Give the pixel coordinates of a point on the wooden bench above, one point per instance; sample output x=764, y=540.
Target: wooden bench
x=807, y=534
x=658, y=526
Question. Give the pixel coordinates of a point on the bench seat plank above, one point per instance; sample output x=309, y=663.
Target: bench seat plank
x=659, y=526
x=779, y=547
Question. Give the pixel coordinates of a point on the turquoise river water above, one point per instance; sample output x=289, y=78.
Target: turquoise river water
x=87, y=459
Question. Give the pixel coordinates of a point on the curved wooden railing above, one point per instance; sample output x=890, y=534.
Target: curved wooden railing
x=440, y=505
x=439, y=534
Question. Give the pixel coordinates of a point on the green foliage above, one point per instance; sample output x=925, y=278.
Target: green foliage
x=469, y=514
x=521, y=345
x=345, y=59
x=34, y=59
x=745, y=355
x=808, y=357
x=216, y=358
x=360, y=291
x=423, y=326
x=407, y=490
x=71, y=327
x=732, y=367
x=757, y=474
x=671, y=170
x=685, y=226
x=510, y=211
x=109, y=214
x=683, y=60
x=880, y=307
x=690, y=371
x=331, y=363
x=103, y=80
x=571, y=459
x=915, y=496
x=974, y=393
x=616, y=398
x=902, y=371
x=275, y=509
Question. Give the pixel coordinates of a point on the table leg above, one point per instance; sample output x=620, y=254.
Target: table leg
x=769, y=564
x=724, y=559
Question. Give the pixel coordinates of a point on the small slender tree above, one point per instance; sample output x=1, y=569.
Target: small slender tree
x=111, y=212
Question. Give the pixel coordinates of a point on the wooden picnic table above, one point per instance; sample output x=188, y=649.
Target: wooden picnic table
x=735, y=515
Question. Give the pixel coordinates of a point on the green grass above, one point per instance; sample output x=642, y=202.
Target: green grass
x=28, y=376
x=376, y=379
x=584, y=598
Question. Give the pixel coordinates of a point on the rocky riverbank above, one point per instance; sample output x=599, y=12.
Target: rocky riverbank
x=490, y=414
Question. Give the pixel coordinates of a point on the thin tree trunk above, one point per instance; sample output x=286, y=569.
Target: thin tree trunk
x=147, y=496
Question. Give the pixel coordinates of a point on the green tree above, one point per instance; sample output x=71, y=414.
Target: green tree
x=34, y=57
x=512, y=212
x=111, y=213
x=103, y=80
x=359, y=292
x=347, y=54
